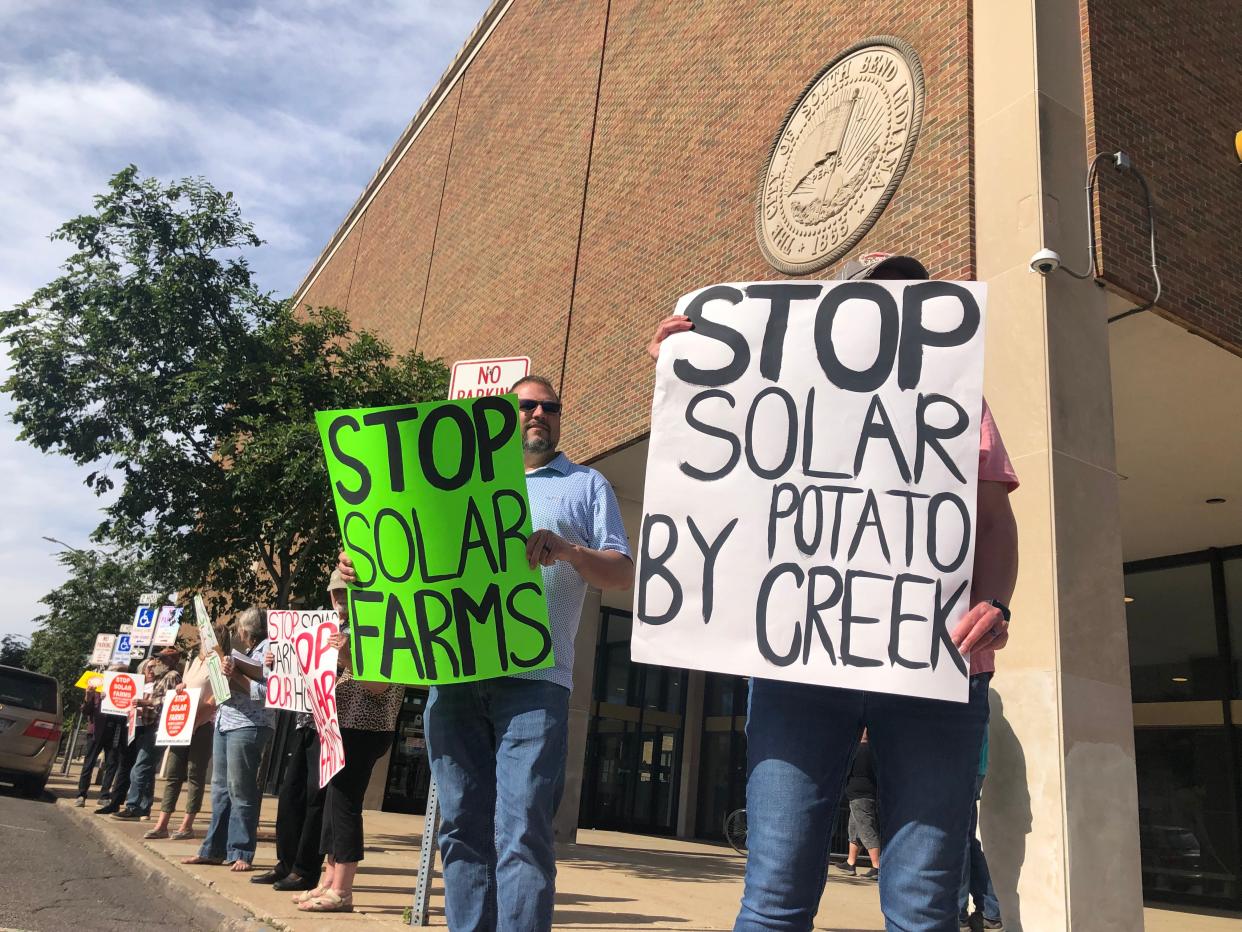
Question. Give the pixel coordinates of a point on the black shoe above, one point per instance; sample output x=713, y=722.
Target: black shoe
x=847, y=867
x=872, y=874
x=273, y=877
x=127, y=815
x=108, y=809
x=995, y=924
x=294, y=882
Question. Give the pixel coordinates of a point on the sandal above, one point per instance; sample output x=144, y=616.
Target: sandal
x=329, y=902
x=199, y=859
x=308, y=895
x=156, y=833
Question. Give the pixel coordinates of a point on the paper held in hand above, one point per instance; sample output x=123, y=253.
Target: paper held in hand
x=206, y=633
x=432, y=505
x=809, y=512
x=119, y=692
x=221, y=691
x=176, y=726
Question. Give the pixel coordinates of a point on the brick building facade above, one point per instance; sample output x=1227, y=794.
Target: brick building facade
x=584, y=162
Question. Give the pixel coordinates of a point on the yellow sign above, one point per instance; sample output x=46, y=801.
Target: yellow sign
x=90, y=680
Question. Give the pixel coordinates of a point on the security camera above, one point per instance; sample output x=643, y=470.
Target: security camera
x=1045, y=261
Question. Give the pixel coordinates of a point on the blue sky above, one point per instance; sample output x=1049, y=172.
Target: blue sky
x=291, y=105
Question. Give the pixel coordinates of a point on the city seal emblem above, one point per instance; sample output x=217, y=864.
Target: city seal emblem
x=839, y=155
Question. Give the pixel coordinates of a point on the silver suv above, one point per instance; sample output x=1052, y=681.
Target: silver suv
x=30, y=723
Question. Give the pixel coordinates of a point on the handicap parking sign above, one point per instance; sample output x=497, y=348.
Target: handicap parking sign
x=121, y=650
x=144, y=625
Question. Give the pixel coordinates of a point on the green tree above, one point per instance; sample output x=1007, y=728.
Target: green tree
x=100, y=594
x=156, y=359
x=13, y=651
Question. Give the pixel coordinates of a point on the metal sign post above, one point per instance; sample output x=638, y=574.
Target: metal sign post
x=73, y=743
x=426, y=858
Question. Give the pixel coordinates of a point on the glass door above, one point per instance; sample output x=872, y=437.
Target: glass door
x=634, y=744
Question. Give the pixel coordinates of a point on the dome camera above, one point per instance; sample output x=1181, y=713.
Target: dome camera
x=1045, y=261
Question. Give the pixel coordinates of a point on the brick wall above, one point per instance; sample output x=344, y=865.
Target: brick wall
x=1163, y=80
x=690, y=97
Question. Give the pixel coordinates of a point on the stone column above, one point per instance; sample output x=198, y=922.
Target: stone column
x=692, y=742
x=1060, y=812
x=566, y=822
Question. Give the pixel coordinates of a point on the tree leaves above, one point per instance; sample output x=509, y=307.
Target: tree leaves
x=156, y=359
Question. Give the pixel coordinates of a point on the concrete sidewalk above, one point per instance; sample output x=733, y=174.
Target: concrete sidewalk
x=608, y=881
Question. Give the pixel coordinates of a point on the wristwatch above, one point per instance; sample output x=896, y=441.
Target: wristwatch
x=998, y=604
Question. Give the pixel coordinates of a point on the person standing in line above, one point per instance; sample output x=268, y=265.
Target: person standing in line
x=864, y=825
x=103, y=741
x=498, y=747
x=800, y=737
x=299, y=812
x=243, y=728
x=189, y=762
x=368, y=717
x=125, y=753
x=162, y=673
x=976, y=878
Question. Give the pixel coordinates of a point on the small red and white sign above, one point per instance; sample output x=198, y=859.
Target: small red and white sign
x=177, y=717
x=476, y=378
x=120, y=691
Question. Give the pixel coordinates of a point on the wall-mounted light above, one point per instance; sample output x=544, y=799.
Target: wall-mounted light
x=1128, y=599
x=1181, y=679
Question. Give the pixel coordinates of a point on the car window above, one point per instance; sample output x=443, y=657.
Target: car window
x=27, y=691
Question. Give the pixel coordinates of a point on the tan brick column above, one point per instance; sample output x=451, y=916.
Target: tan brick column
x=1060, y=814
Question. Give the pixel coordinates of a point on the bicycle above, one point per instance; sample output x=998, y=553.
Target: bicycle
x=735, y=830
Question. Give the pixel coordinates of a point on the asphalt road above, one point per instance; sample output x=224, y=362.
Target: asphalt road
x=53, y=878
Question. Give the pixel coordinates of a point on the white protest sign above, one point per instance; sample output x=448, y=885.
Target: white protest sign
x=102, y=651
x=221, y=691
x=120, y=691
x=176, y=726
x=473, y=378
x=810, y=492
x=121, y=648
x=206, y=632
x=167, y=624
x=287, y=685
x=317, y=659
x=144, y=626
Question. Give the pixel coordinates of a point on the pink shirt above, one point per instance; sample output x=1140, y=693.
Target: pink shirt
x=994, y=466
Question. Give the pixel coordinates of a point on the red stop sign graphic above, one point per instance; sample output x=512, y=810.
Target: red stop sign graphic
x=178, y=714
x=121, y=692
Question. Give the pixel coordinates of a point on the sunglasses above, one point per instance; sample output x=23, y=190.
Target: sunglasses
x=549, y=407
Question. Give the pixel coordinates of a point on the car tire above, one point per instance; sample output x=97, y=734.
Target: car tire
x=32, y=788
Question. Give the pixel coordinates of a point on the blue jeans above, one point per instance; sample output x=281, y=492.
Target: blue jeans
x=235, y=794
x=799, y=742
x=976, y=878
x=142, y=774
x=497, y=751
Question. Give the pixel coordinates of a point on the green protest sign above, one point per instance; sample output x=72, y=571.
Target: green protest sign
x=432, y=505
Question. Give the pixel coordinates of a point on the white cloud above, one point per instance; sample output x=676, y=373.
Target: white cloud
x=289, y=104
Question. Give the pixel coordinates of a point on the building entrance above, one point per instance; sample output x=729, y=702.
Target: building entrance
x=409, y=771
x=634, y=744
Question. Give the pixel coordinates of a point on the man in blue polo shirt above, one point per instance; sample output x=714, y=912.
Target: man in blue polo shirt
x=498, y=746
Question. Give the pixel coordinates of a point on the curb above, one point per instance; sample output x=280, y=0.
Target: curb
x=213, y=908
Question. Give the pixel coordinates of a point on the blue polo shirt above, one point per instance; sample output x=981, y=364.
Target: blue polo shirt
x=577, y=503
